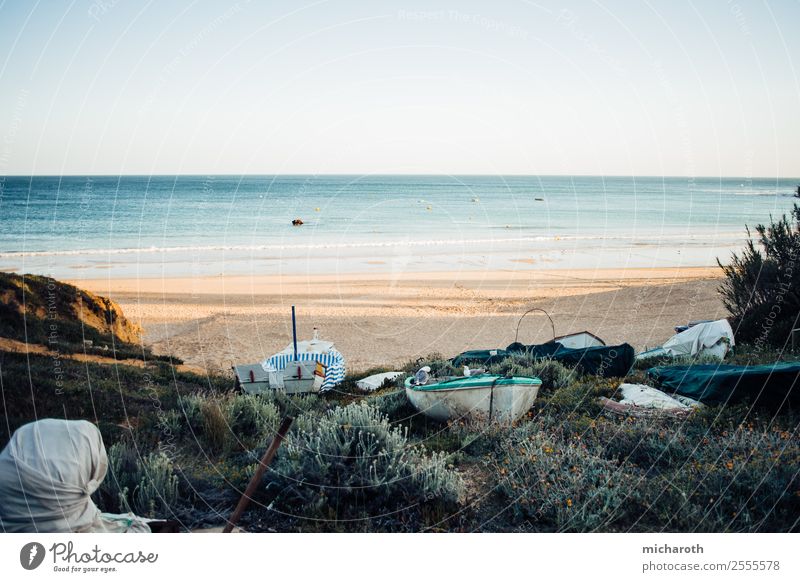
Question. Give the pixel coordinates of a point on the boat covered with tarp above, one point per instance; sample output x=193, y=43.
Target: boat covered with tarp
x=328, y=364
x=606, y=361
x=711, y=339
x=769, y=384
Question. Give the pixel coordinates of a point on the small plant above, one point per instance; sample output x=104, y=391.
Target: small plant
x=725, y=482
x=145, y=485
x=252, y=422
x=215, y=426
x=554, y=375
x=225, y=423
x=666, y=360
x=580, y=396
x=555, y=480
x=395, y=406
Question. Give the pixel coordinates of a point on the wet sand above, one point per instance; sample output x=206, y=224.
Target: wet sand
x=386, y=319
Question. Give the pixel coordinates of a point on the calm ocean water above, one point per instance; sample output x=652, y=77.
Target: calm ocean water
x=76, y=227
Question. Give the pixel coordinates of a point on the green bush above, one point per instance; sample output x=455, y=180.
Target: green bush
x=745, y=480
x=761, y=289
x=146, y=485
x=440, y=367
x=252, y=421
x=395, y=406
x=578, y=397
x=578, y=473
x=351, y=463
x=226, y=423
x=555, y=481
x=553, y=375
x=666, y=360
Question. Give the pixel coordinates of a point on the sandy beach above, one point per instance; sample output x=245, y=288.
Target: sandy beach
x=388, y=319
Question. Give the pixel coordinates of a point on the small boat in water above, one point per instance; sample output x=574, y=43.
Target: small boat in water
x=483, y=396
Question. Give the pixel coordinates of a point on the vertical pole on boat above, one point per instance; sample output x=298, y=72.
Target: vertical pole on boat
x=294, y=334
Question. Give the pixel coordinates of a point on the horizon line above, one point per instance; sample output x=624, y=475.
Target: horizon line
x=442, y=174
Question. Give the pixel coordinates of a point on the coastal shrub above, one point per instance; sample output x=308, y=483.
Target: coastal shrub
x=743, y=480
x=554, y=481
x=665, y=360
x=761, y=288
x=214, y=426
x=225, y=423
x=553, y=375
x=252, y=421
x=580, y=396
x=352, y=463
x=709, y=472
x=395, y=406
x=473, y=438
x=440, y=367
x=295, y=405
x=749, y=355
x=144, y=484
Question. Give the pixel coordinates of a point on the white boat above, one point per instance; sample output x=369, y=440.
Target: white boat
x=484, y=397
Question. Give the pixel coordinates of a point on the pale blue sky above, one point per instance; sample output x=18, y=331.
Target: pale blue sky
x=659, y=88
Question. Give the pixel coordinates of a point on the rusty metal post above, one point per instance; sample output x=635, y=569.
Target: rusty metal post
x=262, y=467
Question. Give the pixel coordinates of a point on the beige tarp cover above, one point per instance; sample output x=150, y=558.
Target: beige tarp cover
x=48, y=472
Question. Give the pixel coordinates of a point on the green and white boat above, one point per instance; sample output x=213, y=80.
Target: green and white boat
x=484, y=397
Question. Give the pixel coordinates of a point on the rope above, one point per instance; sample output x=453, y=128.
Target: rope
x=491, y=397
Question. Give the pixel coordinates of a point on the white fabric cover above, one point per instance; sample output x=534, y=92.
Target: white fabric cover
x=48, y=471
x=579, y=340
x=647, y=397
x=372, y=383
x=707, y=339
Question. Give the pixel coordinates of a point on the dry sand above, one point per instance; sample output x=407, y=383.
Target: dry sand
x=387, y=320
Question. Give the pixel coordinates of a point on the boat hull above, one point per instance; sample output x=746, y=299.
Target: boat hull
x=480, y=398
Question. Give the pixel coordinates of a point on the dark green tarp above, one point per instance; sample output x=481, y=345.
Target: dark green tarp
x=483, y=357
x=607, y=361
x=717, y=384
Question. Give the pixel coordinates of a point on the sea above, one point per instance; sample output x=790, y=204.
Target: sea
x=89, y=227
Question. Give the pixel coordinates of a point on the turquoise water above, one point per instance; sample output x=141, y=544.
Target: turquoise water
x=75, y=227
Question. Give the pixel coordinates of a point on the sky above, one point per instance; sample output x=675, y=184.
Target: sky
x=700, y=88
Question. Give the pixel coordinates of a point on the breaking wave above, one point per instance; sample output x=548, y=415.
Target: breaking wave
x=710, y=237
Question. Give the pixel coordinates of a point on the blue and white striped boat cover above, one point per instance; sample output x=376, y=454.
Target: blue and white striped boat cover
x=332, y=360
